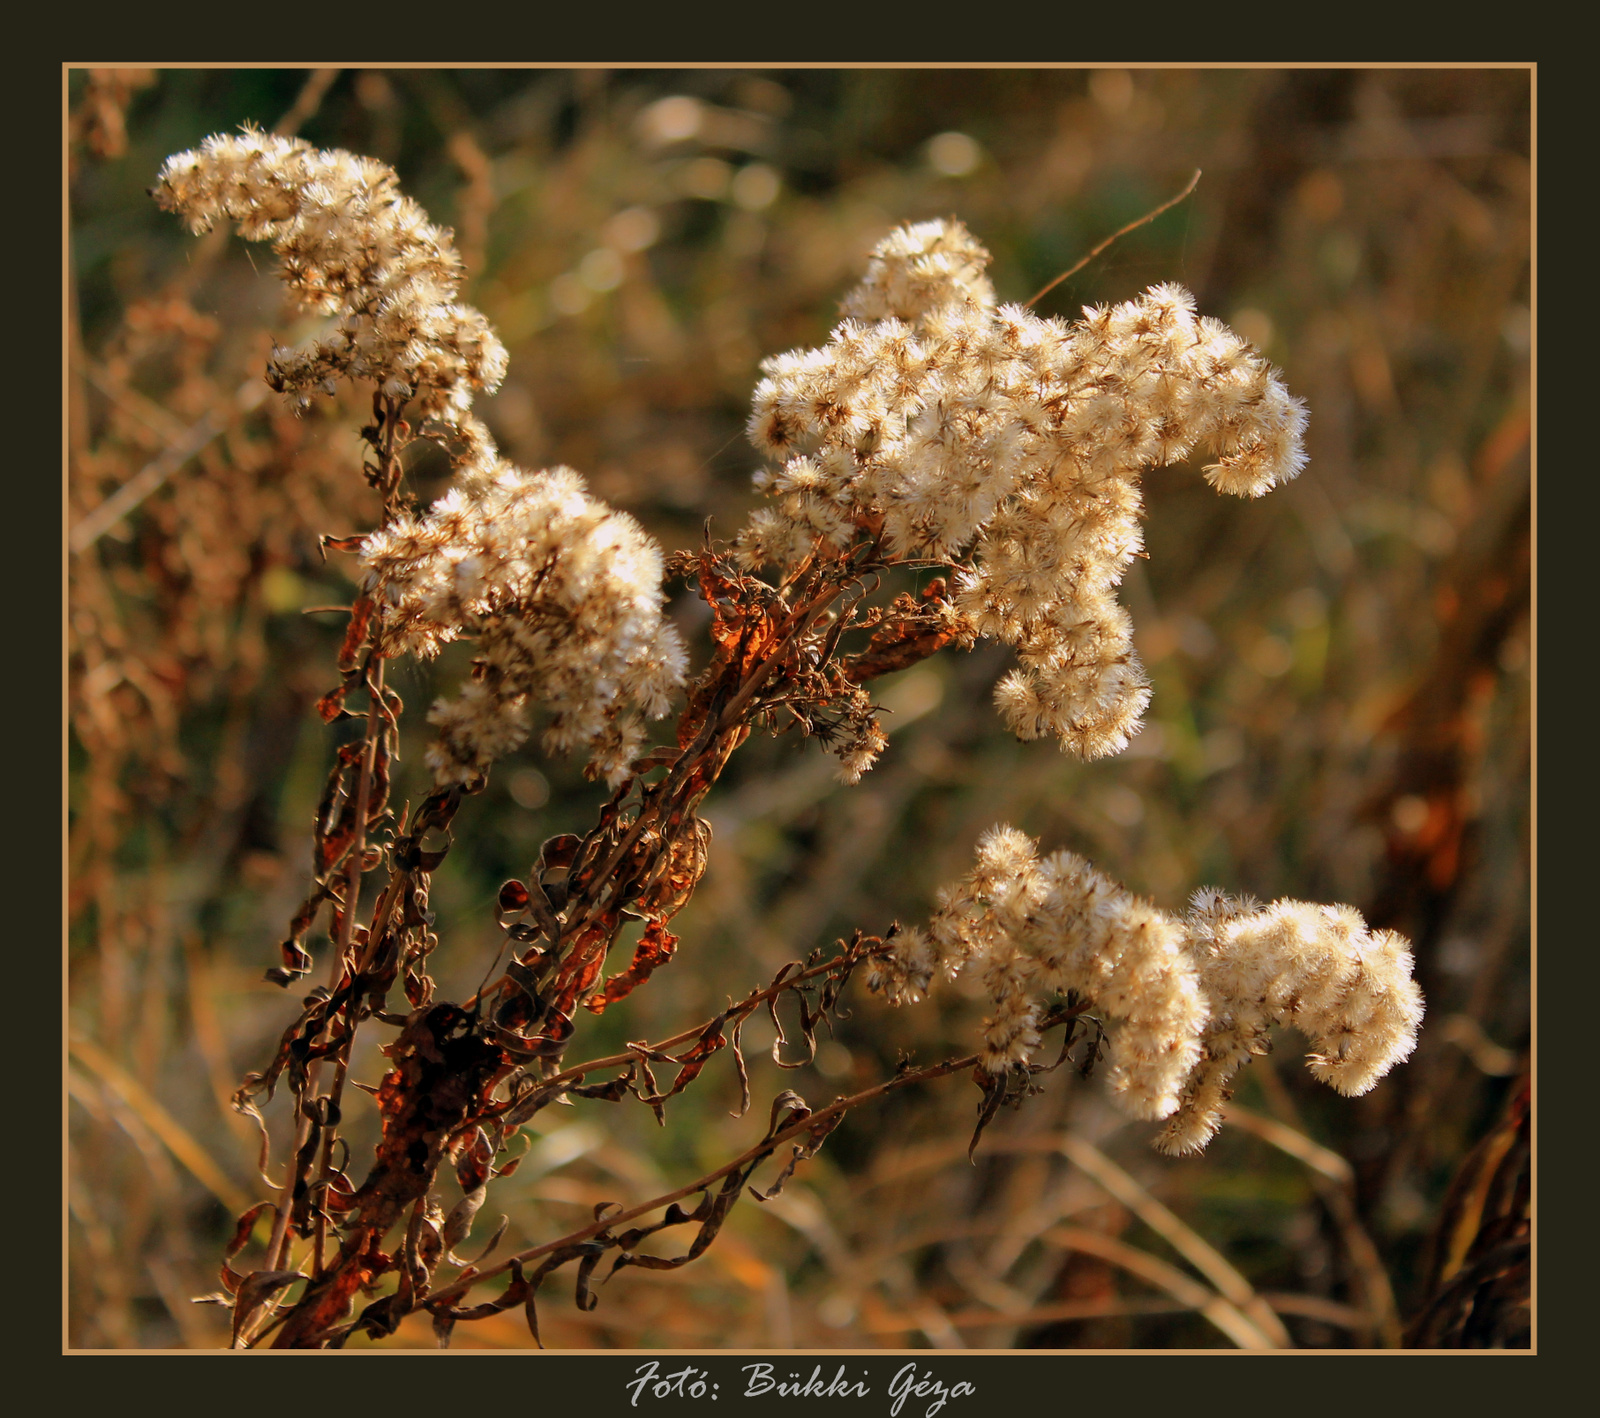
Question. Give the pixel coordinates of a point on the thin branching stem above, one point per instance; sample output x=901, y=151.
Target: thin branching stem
x=807, y=1124
x=748, y=1005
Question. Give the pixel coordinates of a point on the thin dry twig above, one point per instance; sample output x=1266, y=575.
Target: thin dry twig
x=748, y=1005
x=807, y=1124
x=105, y=515
x=1150, y=216
x=306, y=102
x=1319, y=1159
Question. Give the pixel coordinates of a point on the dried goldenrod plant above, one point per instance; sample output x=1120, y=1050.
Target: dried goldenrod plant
x=936, y=430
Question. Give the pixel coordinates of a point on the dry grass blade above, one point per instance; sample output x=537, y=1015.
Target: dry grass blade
x=306, y=102
x=1335, y=1183
x=1223, y=1313
x=1315, y=1307
x=1317, y=1157
x=1065, y=1310
x=1183, y=1239
x=172, y=1135
x=860, y=1274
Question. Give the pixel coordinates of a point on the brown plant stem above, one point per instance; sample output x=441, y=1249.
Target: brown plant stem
x=722, y=723
x=669, y=799
x=341, y=961
x=746, y=1006
x=390, y=473
x=764, y=1148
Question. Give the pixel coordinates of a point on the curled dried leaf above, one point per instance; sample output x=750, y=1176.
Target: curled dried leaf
x=656, y=947
x=246, y=1224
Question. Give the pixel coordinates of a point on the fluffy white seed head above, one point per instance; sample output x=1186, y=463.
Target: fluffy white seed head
x=1348, y=989
x=562, y=595
x=1186, y=1001
x=983, y=435
x=355, y=248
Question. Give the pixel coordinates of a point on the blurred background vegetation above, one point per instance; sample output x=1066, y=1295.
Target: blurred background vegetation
x=1341, y=675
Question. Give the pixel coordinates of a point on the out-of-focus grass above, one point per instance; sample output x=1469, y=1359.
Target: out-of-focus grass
x=1341, y=683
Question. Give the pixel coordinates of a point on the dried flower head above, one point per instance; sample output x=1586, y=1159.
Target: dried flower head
x=355, y=248
x=982, y=434
x=562, y=595
x=1347, y=989
x=1186, y=1001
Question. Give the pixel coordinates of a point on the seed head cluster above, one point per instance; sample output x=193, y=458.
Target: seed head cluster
x=1348, y=989
x=561, y=593
x=1186, y=1001
x=563, y=597
x=979, y=434
x=353, y=247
